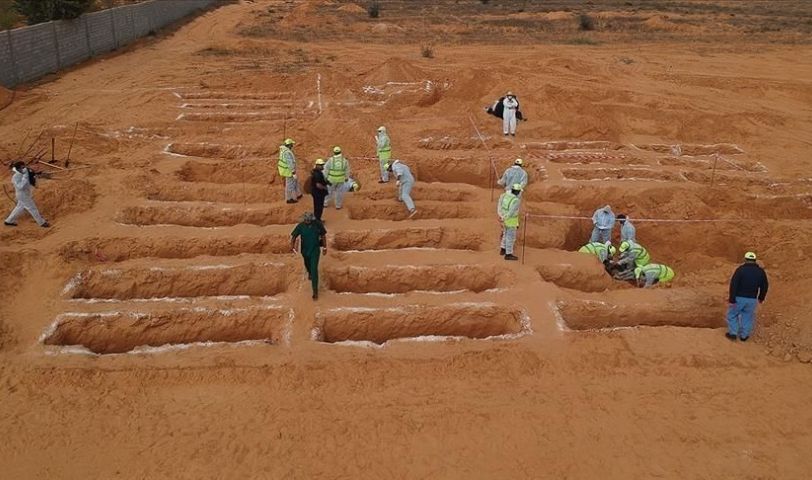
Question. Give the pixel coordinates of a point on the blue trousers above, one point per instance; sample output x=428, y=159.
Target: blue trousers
x=740, y=316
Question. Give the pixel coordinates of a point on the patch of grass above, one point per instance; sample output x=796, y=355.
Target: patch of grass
x=427, y=51
x=9, y=17
x=374, y=10
x=585, y=22
x=581, y=41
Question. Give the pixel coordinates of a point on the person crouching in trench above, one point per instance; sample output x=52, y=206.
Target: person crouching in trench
x=314, y=243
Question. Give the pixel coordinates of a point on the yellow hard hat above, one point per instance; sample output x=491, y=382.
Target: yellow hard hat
x=516, y=186
x=518, y=161
x=381, y=128
x=750, y=256
x=289, y=142
x=625, y=246
x=319, y=161
x=336, y=149
x=355, y=186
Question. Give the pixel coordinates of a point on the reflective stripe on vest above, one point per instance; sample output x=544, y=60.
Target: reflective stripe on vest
x=505, y=208
x=282, y=164
x=641, y=256
x=338, y=167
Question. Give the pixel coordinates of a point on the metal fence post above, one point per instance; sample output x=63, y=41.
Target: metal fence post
x=113, y=27
x=13, y=60
x=87, y=37
x=56, y=45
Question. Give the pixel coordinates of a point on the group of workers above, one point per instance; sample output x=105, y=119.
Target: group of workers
x=332, y=179
x=634, y=262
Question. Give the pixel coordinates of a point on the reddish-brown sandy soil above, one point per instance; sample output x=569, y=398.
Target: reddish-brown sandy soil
x=163, y=329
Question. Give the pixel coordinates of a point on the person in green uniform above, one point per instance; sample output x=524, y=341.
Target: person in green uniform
x=314, y=243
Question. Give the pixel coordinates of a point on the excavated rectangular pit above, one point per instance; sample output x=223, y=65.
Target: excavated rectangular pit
x=644, y=308
x=233, y=96
x=694, y=149
x=592, y=157
x=574, y=145
x=231, y=117
x=214, y=192
x=280, y=106
x=251, y=279
x=251, y=172
x=120, y=332
x=208, y=215
x=124, y=248
x=408, y=278
x=621, y=174
x=421, y=191
x=214, y=150
x=455, y=170
x=377, y=239
x=397, y=211
x=380, y=325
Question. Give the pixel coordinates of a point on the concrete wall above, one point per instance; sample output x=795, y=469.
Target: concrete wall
x=29, y=53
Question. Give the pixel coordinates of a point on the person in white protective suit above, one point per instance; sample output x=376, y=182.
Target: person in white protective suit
x=405, y=182
x=384, y=148
x=510, y=106
x=23, y=186
x=513, y=175
x=603, y=221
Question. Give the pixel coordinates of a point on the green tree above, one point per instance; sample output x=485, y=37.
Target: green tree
x=38, y=11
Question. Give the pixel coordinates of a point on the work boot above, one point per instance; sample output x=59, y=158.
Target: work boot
x=299, y=197
x=510, y=256
x=315, y=295
x=291, y=201
x=730, y=337
x=413, y=213
x=502, y=252
x=45, y=225
x=743, y=339
x=9, y=224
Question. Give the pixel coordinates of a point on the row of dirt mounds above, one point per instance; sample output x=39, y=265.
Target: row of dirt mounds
x=121, y=283
x=258, y=172
x=453, y=143
x=118, y=249
x=403, y=279
x=672, y=202
x=397, y=211
x=585, y=274
x=233, y=96
x=722, y=163
x=379, y=325
x=119, y=332
x=231, y=117
x=261, y=193
x=629, y=173
x=208, y=215
x=380, y=239
x=653, y=307
x=614, y=158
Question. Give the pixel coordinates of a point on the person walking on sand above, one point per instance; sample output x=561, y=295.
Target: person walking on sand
x=384, y=148
x=318, y=188
x=24, y=180
x=510, y=106
x=405, y=182
x=507, y=210
x=313, y=245
x=287, y=170
x=748, y=285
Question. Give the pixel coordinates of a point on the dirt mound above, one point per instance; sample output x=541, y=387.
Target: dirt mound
x=395, y=69
x=559, y=16
x=351, y=8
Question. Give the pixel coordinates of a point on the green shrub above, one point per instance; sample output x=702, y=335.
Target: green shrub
x=38, y=11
